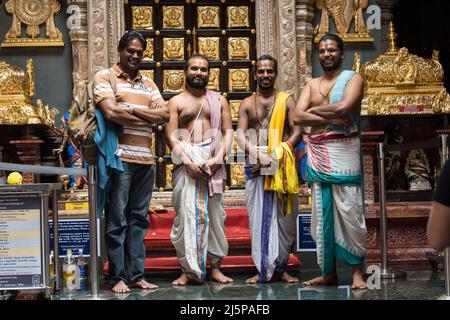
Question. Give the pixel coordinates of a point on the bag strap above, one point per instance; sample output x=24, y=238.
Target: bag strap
x=113, y=80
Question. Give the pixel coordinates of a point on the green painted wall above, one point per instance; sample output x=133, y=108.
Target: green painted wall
x=368, y=50
x=53, y=66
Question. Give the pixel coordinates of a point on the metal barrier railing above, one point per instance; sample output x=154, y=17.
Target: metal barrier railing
x=93, y=247
x=385, y=272
x=442, y=144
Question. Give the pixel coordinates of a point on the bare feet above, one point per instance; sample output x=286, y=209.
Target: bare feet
x=120, y=287
x=358, y=280
x=217, y=275
x=143, y=285
x=182, y=280
x=329, y=281
x=253, y=280
x=286, y=277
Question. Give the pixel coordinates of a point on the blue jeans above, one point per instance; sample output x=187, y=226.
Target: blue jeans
x=126, y=221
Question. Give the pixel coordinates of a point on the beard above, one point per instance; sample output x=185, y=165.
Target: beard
x=336, y=65
x=197, y=83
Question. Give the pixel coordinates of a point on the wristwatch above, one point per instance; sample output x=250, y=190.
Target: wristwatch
x=130, y=109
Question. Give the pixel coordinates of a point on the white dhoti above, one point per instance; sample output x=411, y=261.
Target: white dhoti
x=272, y=231
x=198, y=231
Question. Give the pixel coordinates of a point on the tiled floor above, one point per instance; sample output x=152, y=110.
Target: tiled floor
x=420, y=284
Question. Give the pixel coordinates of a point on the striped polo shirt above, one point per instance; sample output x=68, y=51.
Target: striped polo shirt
x=135, y=142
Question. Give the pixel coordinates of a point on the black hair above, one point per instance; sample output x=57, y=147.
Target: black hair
x=195, y=55
x=131, y=35
x=335, y=37
x=270, y=58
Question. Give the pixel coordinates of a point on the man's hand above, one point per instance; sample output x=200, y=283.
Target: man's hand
x=264, y=160
x=155, y=104
x=212, y=165
x=196, y=172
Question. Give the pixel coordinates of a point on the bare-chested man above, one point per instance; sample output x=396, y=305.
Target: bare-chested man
x=329, y=111
x=272, y=227
x=199, y=133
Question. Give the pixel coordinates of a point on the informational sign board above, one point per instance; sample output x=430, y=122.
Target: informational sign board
x=305, y=242
x=21, y=241
x=73, y=234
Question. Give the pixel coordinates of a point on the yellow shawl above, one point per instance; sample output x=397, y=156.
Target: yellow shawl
x=284, y=182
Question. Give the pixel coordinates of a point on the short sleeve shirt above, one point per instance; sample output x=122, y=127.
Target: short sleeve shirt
x=135, y=142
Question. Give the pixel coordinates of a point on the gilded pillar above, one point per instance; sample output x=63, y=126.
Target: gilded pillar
x=304, y=14
x=386, y=17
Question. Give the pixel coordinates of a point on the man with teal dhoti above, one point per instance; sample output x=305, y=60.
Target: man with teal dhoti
x=329, y=112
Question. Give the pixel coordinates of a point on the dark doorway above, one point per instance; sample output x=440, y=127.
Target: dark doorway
x=423, y=26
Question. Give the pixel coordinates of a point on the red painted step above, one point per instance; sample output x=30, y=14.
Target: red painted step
x=236, y=230
x=161, y=255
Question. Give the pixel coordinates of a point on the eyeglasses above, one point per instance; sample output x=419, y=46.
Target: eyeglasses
x=330, y=50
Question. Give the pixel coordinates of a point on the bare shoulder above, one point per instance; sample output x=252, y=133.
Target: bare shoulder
x=247, y=102
x=356, y=83
x=290, y=102
x=357, y=79
x=223, y=100
x=175, y=100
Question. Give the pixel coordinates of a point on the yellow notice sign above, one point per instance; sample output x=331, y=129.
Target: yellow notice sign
x=80, y=205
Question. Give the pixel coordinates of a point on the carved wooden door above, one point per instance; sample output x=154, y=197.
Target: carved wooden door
x=224, y=31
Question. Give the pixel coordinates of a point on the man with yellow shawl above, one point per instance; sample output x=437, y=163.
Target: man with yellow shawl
x=267, y=133
x=329, y=111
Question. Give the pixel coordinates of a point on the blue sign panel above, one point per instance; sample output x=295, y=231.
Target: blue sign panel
x=73, y=234
x=305, y=242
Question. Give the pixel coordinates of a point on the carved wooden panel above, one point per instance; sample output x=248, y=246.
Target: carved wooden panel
x=224, y=32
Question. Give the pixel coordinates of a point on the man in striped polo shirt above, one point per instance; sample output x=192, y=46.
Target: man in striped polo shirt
x=136, y=105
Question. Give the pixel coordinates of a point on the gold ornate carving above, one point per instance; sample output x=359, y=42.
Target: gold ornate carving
x=16, y=105
x=149, y=52
x=234, y=106
x=208, y=17
x=398, y=82
x=173, y=17
x=153, y=143
x=238, y=80
x=142, y=17
x=234, y=145
x=209, y=46
x=173, y=48
x=33, y=13
x=238, y=48
x=169, y=171
x=237, y=174
x=173, y=80
x=47, y=115
x=214, y=79
x=238, y=17
x=148, y=73
x=343, y=13
x=357, y=62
